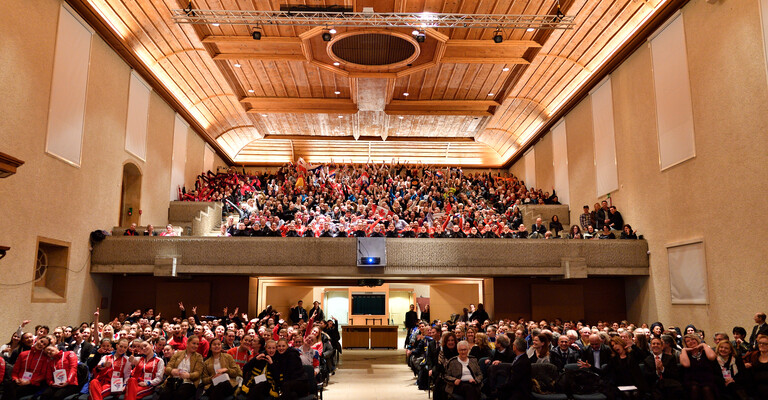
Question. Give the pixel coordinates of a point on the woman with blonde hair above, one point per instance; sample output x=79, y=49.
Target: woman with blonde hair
x=482, y=348
x=184, y=371
x=698, y=361
x=733, y=369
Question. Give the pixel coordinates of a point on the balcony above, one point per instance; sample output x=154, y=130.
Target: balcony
x=336, y=257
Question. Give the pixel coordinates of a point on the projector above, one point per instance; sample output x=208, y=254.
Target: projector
x=370, y=260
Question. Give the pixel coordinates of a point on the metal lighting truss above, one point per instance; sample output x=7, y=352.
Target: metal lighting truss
x=370, y=19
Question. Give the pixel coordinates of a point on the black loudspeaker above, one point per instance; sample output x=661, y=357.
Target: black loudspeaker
x=370, y=282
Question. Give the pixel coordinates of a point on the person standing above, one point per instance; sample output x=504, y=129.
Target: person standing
x=411, y=319
x=317, y=309
x=760, y=329
x=298, y=313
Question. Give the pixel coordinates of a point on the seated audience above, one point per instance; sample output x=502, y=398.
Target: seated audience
x=757, y=362
x=734, y=372
x=184, y=372
x=131, y=231
x=169, y=231
x=379, y=200
x=555, y=226
x=220, y=373
x=150, y=231
x=701, y=376
x=463, y=375
x=627, y=233
x=148, y=372
x=662, y=372
x=29, y=371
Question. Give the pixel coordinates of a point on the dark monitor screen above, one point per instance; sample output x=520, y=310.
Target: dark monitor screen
x=368, y=304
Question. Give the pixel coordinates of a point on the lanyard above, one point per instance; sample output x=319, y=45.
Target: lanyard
x=26, y=362
x=63, y=353
x=144, y=367
x=115, y=366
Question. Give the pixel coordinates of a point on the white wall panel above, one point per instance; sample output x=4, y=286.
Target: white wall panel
x=688, y=273
x=138, y=115
x=764, y=16
x=208, y=156
x=674, y=110
x=66, y=113
x=605, y=139
x=560, y=162
x=530, y=168
x=179, y=161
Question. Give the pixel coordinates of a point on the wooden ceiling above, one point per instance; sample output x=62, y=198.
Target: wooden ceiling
x=459, y=98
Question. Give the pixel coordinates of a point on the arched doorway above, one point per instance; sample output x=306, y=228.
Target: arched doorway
x=130, y=198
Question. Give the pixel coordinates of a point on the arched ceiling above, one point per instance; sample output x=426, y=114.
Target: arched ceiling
x=460, y=99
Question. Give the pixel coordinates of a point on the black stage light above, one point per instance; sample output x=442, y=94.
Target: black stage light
x=256, y=35
x=421, y=38
x=497, y=38
x=326, y=37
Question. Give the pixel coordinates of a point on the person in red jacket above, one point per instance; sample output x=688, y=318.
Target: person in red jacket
x=29, y=371
x=146, y=375
x=242, y=354
x=61, y=374
x=111, y=373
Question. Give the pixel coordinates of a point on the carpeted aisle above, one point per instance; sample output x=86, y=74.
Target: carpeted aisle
x=373, y=374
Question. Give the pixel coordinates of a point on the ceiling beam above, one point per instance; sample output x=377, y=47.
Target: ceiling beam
x=486, y=43
x=483, y=60
x=441, y=107
x=445, y=104
x=471, y=113
x=249, y=40
x=372, y=138
x=313, y=105
x=258, y=56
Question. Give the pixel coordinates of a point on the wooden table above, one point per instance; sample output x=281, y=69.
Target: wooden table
x=369, y=336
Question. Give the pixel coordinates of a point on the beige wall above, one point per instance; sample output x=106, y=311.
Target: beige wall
x=50, y=198
x=518, y=169
x=714, y=196
x=451, y=298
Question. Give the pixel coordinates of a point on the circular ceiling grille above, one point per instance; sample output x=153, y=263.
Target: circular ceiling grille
x=373, y=49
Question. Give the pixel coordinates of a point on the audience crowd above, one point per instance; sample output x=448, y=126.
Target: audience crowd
x=389, y=200
x=474, y=357
x=181, y=358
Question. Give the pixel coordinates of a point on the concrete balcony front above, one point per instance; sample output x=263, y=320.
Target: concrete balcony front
x=336, y=257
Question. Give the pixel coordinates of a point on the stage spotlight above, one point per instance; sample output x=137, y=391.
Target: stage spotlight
x=421, y=38
x=256, y=35
x=332, y=31
x=497, y=38
x=326, y=37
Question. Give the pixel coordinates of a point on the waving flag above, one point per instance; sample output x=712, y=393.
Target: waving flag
x=304, y=166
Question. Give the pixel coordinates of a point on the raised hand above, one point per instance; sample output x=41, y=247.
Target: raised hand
x=181, y=306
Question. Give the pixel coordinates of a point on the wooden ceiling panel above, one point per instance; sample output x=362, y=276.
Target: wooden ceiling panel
x=457, y=87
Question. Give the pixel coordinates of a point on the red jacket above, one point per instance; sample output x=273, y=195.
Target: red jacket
x=203, y=347
x=66, y=360
x=33, y=361
x=178, y=345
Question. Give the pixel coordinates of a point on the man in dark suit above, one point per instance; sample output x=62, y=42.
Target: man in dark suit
x=80, y=345
x=567, y=353
x=760, y=329
x=596, y=356
x=538, y=227
x=519, y=384
x=316, y=309
x=411, y=320
x=662, y=372
x=298, y=313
